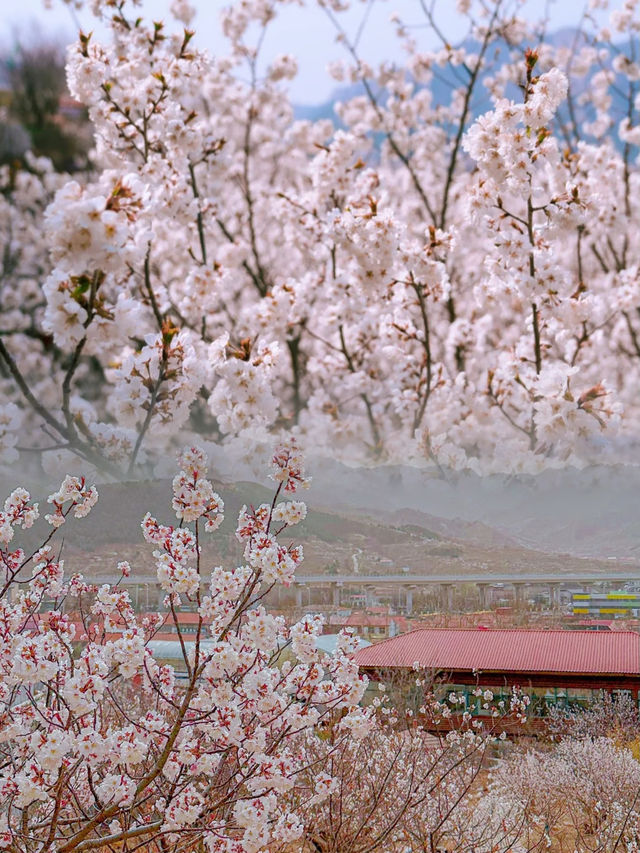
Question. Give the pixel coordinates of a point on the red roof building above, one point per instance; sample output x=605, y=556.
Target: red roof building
x=556, y=666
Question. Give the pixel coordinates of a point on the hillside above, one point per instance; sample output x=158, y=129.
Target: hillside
x=335, y=541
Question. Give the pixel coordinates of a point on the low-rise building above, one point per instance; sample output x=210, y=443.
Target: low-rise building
x=607, y=604
x=374, y=624
x=554, y=667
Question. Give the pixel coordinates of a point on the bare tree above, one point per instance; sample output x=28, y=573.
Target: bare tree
x=38, y=85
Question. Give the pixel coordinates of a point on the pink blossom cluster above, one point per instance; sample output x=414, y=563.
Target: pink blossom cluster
x=101, y=744
x=411, y=282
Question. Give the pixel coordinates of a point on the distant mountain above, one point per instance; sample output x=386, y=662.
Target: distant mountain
x=590, y=513
x=382, y=521
x=452, y=528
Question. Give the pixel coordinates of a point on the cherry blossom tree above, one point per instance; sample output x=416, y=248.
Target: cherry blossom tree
x=449, y=278
x=401, y=789
x=616, y=717
x=101, y=746
x=375, y=785
x=261, y=745
x=582, y=792
x=412, y=783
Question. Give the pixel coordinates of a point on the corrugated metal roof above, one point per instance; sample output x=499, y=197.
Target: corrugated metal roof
x=510, y=650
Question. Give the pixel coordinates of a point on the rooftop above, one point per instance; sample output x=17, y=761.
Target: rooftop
x=509, y=650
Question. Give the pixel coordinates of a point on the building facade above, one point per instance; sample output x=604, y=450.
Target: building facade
x=555, y=668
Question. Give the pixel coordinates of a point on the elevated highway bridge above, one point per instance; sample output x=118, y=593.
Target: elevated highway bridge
x=409, y=583
x=147, y=593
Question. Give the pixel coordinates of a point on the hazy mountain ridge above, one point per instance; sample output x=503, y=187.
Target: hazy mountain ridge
x=590, y=513
x=344, y=533
x=454, y=528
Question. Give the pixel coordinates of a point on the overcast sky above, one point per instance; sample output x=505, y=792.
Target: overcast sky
x=307, y=33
